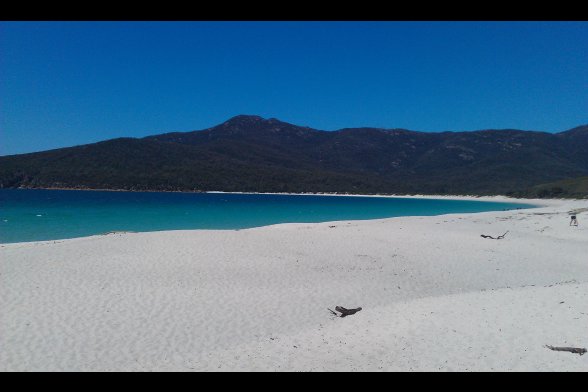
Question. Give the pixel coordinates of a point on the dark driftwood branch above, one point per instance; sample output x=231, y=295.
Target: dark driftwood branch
x=346, y=312
x=572, y=350
x=497, y=238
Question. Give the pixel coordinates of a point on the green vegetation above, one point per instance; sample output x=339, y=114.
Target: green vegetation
x=574, y=188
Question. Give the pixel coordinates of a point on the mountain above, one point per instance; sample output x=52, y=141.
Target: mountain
x=250, y=153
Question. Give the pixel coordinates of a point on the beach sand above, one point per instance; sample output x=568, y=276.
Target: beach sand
x=436, y=296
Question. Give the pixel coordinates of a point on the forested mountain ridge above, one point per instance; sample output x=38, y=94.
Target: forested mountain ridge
x=253, y=154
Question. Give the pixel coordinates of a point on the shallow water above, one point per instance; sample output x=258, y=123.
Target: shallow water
x=38, y=215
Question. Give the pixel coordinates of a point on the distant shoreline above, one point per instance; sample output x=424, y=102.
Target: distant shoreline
x=542, y=202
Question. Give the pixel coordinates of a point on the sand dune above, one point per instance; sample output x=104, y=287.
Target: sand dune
x=435, y=296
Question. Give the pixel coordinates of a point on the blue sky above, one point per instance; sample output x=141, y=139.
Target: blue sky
x=70, y=83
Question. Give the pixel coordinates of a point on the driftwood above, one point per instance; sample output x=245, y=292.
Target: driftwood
x=572, y=350
x=344, y=312
x=497, y=238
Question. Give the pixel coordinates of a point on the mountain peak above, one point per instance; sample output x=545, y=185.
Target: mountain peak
x=244, y=119
x=251, y=119
x=251, y=124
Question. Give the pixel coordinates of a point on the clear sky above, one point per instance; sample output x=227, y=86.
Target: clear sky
x=70, y=83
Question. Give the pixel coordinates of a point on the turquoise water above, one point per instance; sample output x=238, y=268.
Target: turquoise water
x=38, y=215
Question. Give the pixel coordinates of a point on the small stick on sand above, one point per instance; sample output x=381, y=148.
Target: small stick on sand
x=497, y=238
x=572, y=350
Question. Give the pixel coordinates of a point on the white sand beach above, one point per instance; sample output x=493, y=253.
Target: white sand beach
x=435, y=296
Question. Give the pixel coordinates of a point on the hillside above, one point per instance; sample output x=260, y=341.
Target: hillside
x=249, y=153
x=576, y=188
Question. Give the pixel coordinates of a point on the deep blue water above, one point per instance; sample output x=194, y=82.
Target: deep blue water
x=37, y=215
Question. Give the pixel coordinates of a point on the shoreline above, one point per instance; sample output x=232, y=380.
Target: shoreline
x=537, y=203
x=431, y=196
x=435, y=296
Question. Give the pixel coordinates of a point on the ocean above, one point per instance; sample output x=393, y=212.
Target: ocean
x=40, y=215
